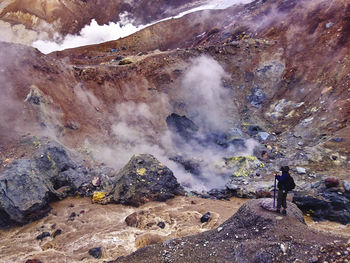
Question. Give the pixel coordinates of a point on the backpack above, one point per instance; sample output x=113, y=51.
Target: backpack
x=290, y=184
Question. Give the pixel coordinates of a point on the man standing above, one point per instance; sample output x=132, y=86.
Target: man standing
x=282, y=189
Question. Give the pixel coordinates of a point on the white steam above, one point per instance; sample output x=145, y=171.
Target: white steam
x=206, y=99
x=95, y=33
x=140, y=127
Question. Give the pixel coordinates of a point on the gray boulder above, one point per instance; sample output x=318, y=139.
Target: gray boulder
x=27, y=186
x=145, y=179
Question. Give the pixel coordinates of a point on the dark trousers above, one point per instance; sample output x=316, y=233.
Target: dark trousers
x=281, y=199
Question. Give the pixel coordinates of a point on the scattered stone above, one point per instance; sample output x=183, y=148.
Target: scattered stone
x=43, y=235
x=301, y=170
x=95, y=252
x=347, y=186
x=96, y=181
x=161, y=225
x=206, y=217
x=132, y=220
x=72, y=216
x=283, y=249
x=331, y=182
x=56, y=233
x=329, y=25
x=263, y=136
x=339, y=139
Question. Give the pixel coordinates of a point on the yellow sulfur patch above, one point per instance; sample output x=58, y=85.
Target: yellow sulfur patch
x=98, y=197
x=141, y=171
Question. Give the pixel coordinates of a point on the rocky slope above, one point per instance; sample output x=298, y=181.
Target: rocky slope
x=253, y=234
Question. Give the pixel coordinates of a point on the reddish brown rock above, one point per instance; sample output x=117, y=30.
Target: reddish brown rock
x=331, y=182
x=132, y=220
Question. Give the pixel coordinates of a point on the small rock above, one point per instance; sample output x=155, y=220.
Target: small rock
x=95, y=252
x=161, y=225
x=331, y=182
x=220, y=228
x=96, y=181
x=283, y=248
x=132, y=220
x=329, y=25
x=206, y=217
x=300, y=143
x=72, y=216
x=301, y=170
x=57, y=232
x=263, y=136
x=347, y=186
x=338, y=139
x=43, y=235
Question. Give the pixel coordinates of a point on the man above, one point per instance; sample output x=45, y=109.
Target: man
x=282, y=189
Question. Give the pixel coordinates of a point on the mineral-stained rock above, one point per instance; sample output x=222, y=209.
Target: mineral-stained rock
x=145, y=179
x=331, y=182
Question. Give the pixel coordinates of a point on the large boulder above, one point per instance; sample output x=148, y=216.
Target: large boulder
x=27, y=186
x=329, y=204
x=145, y=179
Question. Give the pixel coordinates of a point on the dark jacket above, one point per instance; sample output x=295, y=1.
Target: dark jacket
x=282, y=180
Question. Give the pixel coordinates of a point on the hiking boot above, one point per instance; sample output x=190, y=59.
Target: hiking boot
x=284, y=211
x=278, y=211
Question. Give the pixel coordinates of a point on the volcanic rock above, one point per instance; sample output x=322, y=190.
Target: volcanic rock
x=181, y=125
x=27, y=186
x=43, y=235
x=331, y=182
x=145, y=179
x=95, y=252
x=205, y=217
x=332, y=205
x=132, y=220
x=347, y=186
